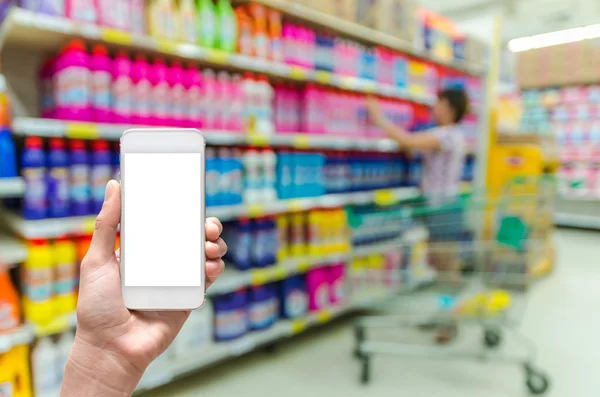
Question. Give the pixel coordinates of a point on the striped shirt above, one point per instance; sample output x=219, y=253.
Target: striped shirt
x=442, y=169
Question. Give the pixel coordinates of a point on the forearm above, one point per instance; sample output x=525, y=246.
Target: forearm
x=398, y=134
x=94, y=372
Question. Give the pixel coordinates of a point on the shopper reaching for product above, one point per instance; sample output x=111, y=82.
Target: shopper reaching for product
x=114, y=346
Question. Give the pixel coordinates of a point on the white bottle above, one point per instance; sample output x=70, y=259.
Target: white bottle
x=264, y=95
x=196, y=333
x=43, y=368
x=224, y=99
x=63, y=349
x=253, y=176
x=268, y=163
x=249, y=103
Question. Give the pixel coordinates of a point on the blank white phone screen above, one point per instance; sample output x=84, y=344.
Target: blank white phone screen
x=163, y=219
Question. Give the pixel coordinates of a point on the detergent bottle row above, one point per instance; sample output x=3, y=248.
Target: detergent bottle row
x=48, y=361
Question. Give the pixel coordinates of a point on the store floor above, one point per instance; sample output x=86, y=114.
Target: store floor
x=562, y=316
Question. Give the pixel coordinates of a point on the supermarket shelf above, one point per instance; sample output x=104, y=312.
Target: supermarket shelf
x=27, y=29
x=52, y=228
x=361, y=33
x=27, y=126
x=574, y=220
x=233, y=280
x=12, y=252
x=22, y=336
x=584, y=198
x=11, y=187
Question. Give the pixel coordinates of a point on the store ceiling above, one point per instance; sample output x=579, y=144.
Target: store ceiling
x=523, y=17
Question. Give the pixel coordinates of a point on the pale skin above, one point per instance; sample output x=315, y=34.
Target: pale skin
x=113, y=345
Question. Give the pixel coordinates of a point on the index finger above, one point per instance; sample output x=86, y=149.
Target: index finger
x=105, y=234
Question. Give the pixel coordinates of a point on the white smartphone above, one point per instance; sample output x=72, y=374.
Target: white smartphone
x=162, y=219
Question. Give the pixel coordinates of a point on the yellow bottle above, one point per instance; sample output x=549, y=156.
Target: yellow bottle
x=14, y=372
x=37, y=275
x=283, y=232
x=162, y=21
x=298, y=234
x=315, y=243
x=188, y=21
x=65, y=276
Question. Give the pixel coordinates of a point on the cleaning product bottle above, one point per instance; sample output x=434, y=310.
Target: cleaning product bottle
x=100, y=173
x=213, y=174
x=114, y=13
x=260, y=33
x=58, y=179
x=298, y=234
x=8, y=156
x=211, y=108
x=52, y=7
x=142, y=89
x=283, y=237
x=116, y=161
x=36, y=278
x=225, y=168
x=63, y=349
x=195, y=101
x=268, y=161
x=318, y=289
x=237, y=177
x=137, y=19
x=236, y=105
x=72, y=82
x=122, y=92
x=43, y=367
x=253, y=173
x=263, y=307
x=47, y=88
x=10, y=310
x=102, y=81
x=242, y=257
x=231, y=315
x=207, y=16
x=227, y=26
x=275, y=37
x=294, y=297
x=160, y=97
x=179, y=102
x=188, y=19
x=65, y=275
x=79, y=178
x=224, y=99
x=244, y=39
x=337, y=283
x=82, y=10
x=33, y=168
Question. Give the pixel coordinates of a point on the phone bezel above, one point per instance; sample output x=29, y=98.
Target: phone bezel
x=163, y=140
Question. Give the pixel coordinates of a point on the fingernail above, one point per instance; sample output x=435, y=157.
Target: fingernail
x=109, y=190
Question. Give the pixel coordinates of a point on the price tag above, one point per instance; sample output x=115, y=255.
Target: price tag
x=88, y=226
x=297, y=73
x=298, y=326
x=370, y=87
x=324, y=316
x=303, y=267
x=242, y=346
x=256, y=210
x=347, y=83
x=323, y=77
x=82, y=131
x=259, y=277
x=116, y=36
x=216, y=56
x=295, y=205
x=301, y=141
x=258, y=140
x=167, y=46
x=384, y=197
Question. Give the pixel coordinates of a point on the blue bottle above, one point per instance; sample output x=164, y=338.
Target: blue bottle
x=318, y=167
x=33, y=168
x=415, y=171
x=285, y=176
x=242, y=249
x=225, y=176
x=8, y=155
x=262, y=307
x=58, y=180
x=259, y=246
x=237, y=178
x=231, y=315
x=79, y=178
x=212, y=178
x=271, y=241
x=116, y=162
x=100, y=173
x=294, y=297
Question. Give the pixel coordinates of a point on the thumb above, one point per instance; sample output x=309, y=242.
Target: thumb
x=105, y=234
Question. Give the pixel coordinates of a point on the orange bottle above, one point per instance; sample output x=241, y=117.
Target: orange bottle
x=10, y=309
x=276, y=53
x=260, y=36
x=244, y=46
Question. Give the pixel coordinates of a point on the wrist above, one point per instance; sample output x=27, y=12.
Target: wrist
x=93, y=371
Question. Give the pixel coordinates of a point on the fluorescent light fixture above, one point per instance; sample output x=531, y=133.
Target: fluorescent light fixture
x=554, y=38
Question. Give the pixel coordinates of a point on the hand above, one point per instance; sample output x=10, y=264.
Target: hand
x=374, y=109
x=108, y=334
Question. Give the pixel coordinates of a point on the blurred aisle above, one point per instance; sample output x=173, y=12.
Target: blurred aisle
x=562, y=317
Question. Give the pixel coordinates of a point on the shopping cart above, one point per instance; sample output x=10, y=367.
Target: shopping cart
x=483, y=280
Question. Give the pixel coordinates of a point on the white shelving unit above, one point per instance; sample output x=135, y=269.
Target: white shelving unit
x=575, y=220
x=12, y=252
x=11, y=187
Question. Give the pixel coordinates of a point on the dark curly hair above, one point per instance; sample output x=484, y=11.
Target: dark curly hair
x=458, y=101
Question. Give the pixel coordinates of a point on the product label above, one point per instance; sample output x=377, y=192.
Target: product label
x=230, y=323
x=243, y=247
x=100, y=176
x=8, y=318
x=160, y=100
x=6, y=389
x=178, y=102
x=207, y=27
x=35, y=188
x=37, y=283
x=122, y=96
x=72, y=87
x=65, y=278
x=101, y=90
x=80, y=189
x=58, y=188
x=141, y=103
x=296, y=304
x=262, y=313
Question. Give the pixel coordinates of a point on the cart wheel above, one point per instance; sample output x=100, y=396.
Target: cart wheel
x=365, y=375
x=537, y=383
x=492, y=338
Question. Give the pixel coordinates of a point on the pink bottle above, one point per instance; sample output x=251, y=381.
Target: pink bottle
x=114, y=13
x=317, y=284
x=337, y=283
x=72, y=81
x=122, y=91
x=82, y=10
x=137, y=13
x=179, y=104
x=312, y=116
x=223, y=102
x=288, y=43
x=236, y=117
x=193, y=82
x=210, y=99
x=47, y=88
x=102, y=82
x=160, y=96
x=142, y=91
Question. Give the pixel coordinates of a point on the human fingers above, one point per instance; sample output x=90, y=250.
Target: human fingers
x=216, y=250
x=105, y=233
x=214, y=268
x=213, y=229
